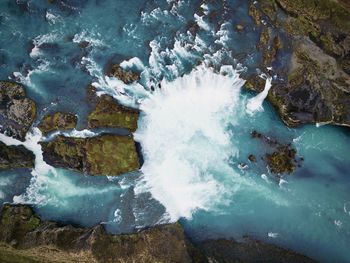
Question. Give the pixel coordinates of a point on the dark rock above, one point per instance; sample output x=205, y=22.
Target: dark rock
x=17, y=112
x=252, y=158
x=12, y=157
x=26, y=238
x=230, y=251
x=58, y=121
x=102, y=155
x=317, y=86
x=43, y=241
x=280, y=158
x=126, y=76
x=317, y=91
x=108, y=113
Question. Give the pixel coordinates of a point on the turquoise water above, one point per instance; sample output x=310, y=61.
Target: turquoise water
x=203, y=133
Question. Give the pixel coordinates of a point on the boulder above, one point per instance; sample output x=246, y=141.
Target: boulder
x=17, y=112
x=109, y=113
x=126, y=76
x=58, y=121
x=12, y=157
x=106, y=154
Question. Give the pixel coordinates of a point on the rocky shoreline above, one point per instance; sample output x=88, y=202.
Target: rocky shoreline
x=26, y=238
x=315, y=81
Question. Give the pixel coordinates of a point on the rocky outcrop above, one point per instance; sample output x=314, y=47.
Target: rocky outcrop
x=12, y=157
x=280, y=158
x=17, y=112
x=108, y=113
x=26, y=238
x=102, y=155
x=317, y=82
x=58, y=121
x=126, y=76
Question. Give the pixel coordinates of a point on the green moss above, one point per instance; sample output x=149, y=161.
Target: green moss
x=58, y=121
x=108, y=113
x=101, y=155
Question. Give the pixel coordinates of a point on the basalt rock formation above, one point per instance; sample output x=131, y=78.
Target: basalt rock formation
x=58, y=121
x=17, y=112
x=26, y=238
x=108, y=113
x=316, y=85
x=12, y=157
x=106, y=154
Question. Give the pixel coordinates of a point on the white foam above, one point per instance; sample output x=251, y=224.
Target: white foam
x=39, y=40
x=48, y=185
x=255, y=104
x=272, y=235
x=52, y=18
x=184, y=140
x=133, y=63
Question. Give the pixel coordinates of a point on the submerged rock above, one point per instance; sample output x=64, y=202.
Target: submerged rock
x=126, y=76
x=12, y=157
x=17, y=112
x=108, y=113
x=317, y=82
x=26, y=238
x=102, y=155
x=58, y=121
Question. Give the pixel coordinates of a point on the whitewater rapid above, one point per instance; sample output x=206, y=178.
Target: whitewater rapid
x=185, y=141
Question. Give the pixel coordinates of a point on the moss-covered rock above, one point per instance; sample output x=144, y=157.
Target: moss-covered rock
x=126, y=76
x=102, y=155
x=24, y=237
x=12, y=157
x=280, y=158
x=58, y=121
x=108, y=113
x=17, y=112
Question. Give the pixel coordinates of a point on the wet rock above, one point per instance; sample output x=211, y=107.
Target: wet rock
x=280, y=158
x=58, y=121
x=102, y=155
x=239, y=27
x=26, y=238
x=42, y=241
x=317, y=91
x=126, y=76
x=230, y=251
x=316, y=87
x=252, y=158
x=108, y=113
x=17, y=112
x=12, y=157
